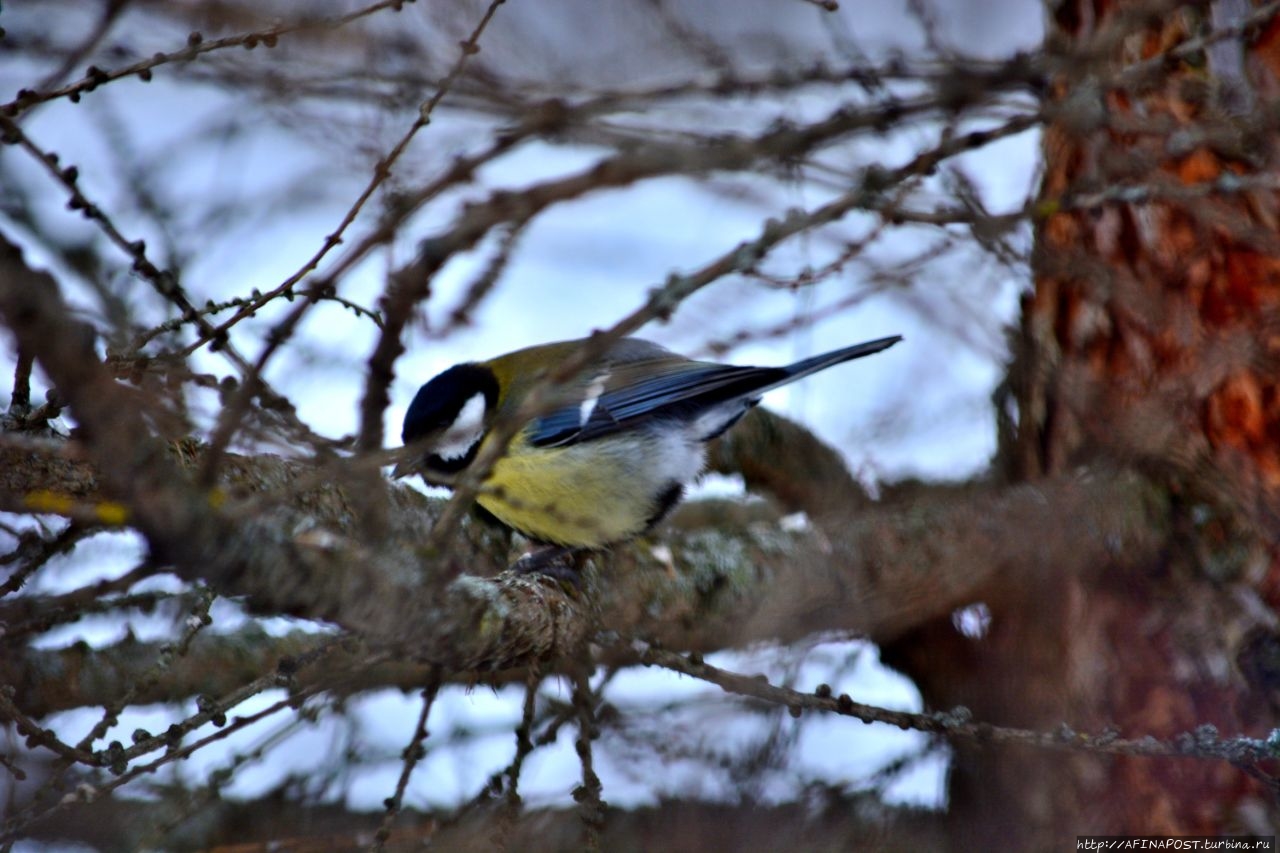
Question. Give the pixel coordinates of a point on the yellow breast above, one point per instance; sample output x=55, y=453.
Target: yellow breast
x=588, y=495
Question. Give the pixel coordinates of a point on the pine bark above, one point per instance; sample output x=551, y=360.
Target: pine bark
x=1147, y=341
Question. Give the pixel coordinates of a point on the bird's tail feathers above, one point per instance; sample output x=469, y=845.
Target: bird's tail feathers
x=806, y=366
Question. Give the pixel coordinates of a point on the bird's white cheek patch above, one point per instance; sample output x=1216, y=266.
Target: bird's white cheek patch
x=465, y=432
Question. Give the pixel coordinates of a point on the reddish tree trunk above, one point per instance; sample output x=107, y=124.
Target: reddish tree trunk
x=1149, y=340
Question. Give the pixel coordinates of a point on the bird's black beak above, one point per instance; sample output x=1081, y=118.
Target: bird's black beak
x=407, y=462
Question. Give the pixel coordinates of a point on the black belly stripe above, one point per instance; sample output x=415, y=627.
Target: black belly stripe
x=488, y=518
x=664, y=503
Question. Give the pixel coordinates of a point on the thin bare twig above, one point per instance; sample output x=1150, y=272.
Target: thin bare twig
x=196, y=46
x=232, y=413
x=1204, y=743
x=413, y=753
x=591, y=806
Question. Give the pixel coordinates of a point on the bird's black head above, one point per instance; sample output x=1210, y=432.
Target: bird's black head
x=448, y=417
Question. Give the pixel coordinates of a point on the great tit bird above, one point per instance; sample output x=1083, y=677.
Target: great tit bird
x=614, y=454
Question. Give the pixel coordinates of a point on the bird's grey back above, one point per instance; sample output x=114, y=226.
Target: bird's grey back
x=630, y=350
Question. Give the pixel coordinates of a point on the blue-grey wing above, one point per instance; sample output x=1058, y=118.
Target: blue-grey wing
x=640, y=380
x=632, y=393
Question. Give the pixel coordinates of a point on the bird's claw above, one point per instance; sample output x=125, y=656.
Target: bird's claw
x=555, y=562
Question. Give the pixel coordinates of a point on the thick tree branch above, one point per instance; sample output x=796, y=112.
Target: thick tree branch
x=49, y=680
x=286, y=535
x=836, y=821
x=781, y=457
x=879, y=573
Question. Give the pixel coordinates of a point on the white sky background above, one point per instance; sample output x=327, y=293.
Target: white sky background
x=921, y=408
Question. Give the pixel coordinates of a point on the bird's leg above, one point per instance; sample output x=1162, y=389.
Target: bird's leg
x=555, y=561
